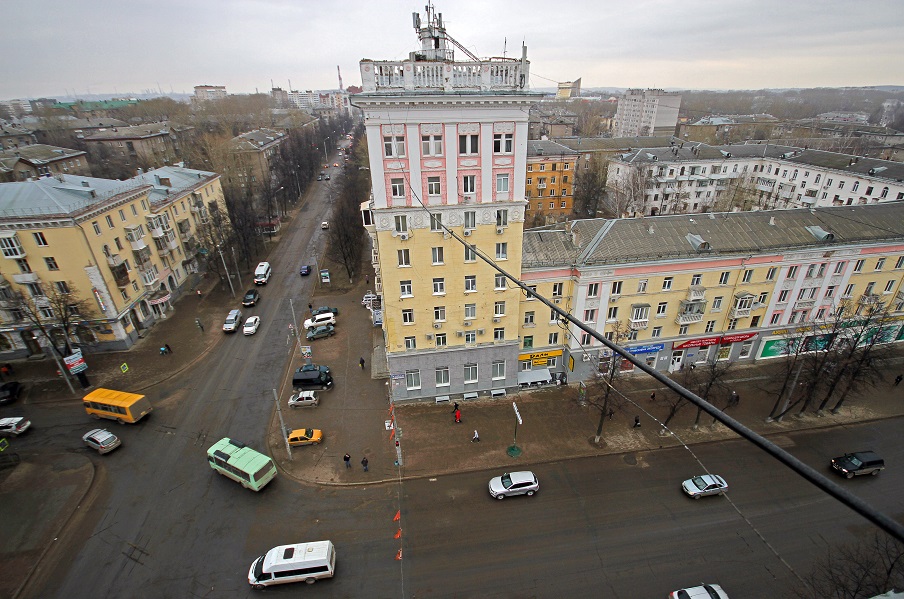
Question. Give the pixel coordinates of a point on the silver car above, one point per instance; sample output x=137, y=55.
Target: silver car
x=101, y=440
x=514, y=483
x=706, y=484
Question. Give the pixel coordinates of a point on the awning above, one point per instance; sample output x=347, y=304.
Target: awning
x=159, y=297
x=537, y=375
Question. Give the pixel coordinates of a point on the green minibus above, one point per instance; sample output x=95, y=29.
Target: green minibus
x=249, y=468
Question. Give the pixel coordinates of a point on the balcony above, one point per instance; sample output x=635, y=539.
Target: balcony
x=740, y=312
x=867, y=299
x=689, y=318
x=149, y=278
x=696, y=293
x=136, y=240
x=25, y=277
x=638, y=325
x=156, y=231
x=440, y=73
x=142, y=256
x=120, y=275
x=804, y=304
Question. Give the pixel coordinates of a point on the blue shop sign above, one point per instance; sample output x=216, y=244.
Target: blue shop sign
x=646, y=349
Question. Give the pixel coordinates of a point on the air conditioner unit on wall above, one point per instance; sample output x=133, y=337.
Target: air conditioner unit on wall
x=495, y=320
x=500, y=230
x=403, y=236
x=480, y=331
x=467, y=232
x=459, y=333
x=467, y=323
x=436, y=325
x=585, y=358
x=428, y=336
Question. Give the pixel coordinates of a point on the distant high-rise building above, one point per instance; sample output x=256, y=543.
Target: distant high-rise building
x=209, y=92
x=646, y=112
x=569, y=89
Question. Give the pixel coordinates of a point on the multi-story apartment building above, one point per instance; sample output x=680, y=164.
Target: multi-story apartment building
x=645, y=112
x=146, y=146
x=126, y=248
x=13, y=136
x=447, y=144
x=39, y=160
x=203, y=93
x=549, y=184
x=251, y=158
x=681, y=290
x=698, y=178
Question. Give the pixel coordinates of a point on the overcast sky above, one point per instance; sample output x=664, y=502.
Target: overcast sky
x=51, y=47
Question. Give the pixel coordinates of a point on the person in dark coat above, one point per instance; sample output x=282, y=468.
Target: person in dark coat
x=636, y=422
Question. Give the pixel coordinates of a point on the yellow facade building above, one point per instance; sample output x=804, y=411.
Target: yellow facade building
x=549, y=184
x=124, y=249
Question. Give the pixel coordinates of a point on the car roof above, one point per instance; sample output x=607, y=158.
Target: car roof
x=99, y=434
x=252, y=319
x=522, y=476
x=233, y=312
x=13, y=420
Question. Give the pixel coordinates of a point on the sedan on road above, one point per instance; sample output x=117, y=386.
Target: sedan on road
x=251, y=325
x=101, y=440
x=13, y=426
x=514, y=483
x=251, y=298
x=705, y=591
x=305, y=270
x=706, y=484
x=305, y=436
x=321, y=332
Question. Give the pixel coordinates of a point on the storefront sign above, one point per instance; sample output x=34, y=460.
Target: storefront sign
x=726, y=339
x=646, y=349
x=75, y=363
x=703, y=342
x=541, y=355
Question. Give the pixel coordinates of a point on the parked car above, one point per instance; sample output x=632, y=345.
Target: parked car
x=305, y=270
x=233, y=321
x=368, y=299
x=251, y=325
x=514, y=483
x=303, y=399
x=9, y=392
x=320, y=177
x=321, y=319
x=704, y=591
x=313, y=367
x=325, y=225
x=327, y=177
x=324, y=309
x=101, y=440
x=706, y=484
x=251, y=298
x=305, y=436
x=321, y=332
x=858, y=464
x=13, y=426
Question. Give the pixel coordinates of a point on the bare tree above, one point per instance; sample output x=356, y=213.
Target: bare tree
x=589, y=185
x=741, y=194
x=54, y=312
x=600, y=392
x=347, y=237
x=867, y=568
x=629, y=195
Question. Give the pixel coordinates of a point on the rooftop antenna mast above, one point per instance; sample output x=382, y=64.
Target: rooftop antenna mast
x=434, y=35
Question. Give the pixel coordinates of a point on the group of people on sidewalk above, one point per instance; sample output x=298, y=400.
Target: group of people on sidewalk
x=348, y=461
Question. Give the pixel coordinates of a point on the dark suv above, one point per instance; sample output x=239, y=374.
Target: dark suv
x=858, y=463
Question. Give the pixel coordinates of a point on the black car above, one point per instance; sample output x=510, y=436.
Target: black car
x=305, y=270
x=251, y=297
x=9, y=392
x=858, y=464
x=313, y=368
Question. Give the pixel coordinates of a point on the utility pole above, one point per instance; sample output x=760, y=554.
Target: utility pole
x=282, y=425
x=228, y=276
x=325, y=155
x=238, y=275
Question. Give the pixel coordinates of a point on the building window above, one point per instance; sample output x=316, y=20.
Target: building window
x=858, y=266
x=900, y=262
x=51, y=263
x=717, y=304
x=553, y=339
x=439, y=286
x=732, y=324
x=661, y=308
x=393, y=146
x=503, y=143
x=615, y=288
x=470, y=219
x=889, y=286
x=557, y=289
x=470, y=283
x=593, y=290
x=499, y=334
x=499, y=282
x=468, y=144
x=401, y=223
x=470, y=310
x=469, y=184
x=590, y=315
x=682, y=330
x=96, y=228
x=612, y=314
x=436, y=222
x=849, y=290
x=723, y=278
x=437, y=253
x=398, y=188
x=502, y=251
x=412, y=379
x=408, y=316
x=470, y=373
x=585, y=339
x=35, y=289
x=432, y=145
x=710, y=326
x=502, y=183
x=502, y=217
x=63, y=287
x=39, y=239
x=667, y=283
x=440, y=340
x=528, y=342
x=405, y=288
x=770, y=274
x=470, y=254
x=776, y=318
x=529, y=319
x=498, y=369
x=109, y=221
x=404, y=258
x=433, y=187
x=748, y=274
x=830, y=291
x=442, y=376
x=499, y=309
x=439, y=313
x=470, y=337
x=410, y=343
x=880, y=263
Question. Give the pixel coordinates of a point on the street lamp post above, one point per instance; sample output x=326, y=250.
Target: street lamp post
x=326, y=156
x=228, y=277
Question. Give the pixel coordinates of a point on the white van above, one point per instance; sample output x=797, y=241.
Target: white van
x=293, y=563
x=320, y=319
x=262, y=273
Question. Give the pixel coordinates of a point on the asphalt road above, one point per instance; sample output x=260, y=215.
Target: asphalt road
x=620, y=527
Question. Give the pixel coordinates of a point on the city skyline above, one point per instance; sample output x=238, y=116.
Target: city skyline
x=696, y=44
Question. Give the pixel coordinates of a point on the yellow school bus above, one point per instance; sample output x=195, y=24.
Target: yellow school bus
x=117, y=405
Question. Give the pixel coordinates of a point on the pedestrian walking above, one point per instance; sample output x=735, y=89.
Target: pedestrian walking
x=455, y=407
x=169, y=350
x=348, y=460
x=361, y=362
x=310, y=307
x=611, y=413
x=457, y=415
x=200, y=325
x=734, y=398
x=162, y=351
x=898, y=378
x=476, y=437
x=199, y=294
x=367, y=279
x=653, y=396
x=364, y=463
x=636, y=422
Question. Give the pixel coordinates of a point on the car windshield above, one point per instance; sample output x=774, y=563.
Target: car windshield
x=699, y=482
x=506, y=480
x=855, y=461
x=308, y=433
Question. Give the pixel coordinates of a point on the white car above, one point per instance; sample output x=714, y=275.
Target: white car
x=706, y=484
x=101, y=440
x=13, y=426
x=368, y=299
x=514, y=483
x=325, y=224
x=303, y=399
x=251, y=325
x=704, y=591
x=233, y=321
x=320, y=320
